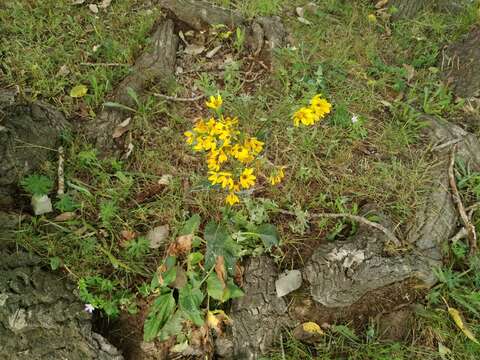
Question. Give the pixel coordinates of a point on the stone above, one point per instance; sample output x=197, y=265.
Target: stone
x=41, y=204
x=287, y=282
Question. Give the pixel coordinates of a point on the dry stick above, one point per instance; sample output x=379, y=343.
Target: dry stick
x=173, y=98
x=103, y=64
x=469, y=227
x=357, y=218
x=61, y=177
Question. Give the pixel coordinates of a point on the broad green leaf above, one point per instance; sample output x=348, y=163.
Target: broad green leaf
x=169, y=276
x=133, y=95
x=215, y=287
x=269, y=235
x=191, y=225
x=194, y=258
x=55, y=262
x=173, y=326
x=78, y=91
x=220, y=243
x=160, y=312
x=189, y=300
x=234, y=290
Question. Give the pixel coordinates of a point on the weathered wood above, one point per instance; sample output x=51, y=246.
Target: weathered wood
x=200, y=14
x=157, y=62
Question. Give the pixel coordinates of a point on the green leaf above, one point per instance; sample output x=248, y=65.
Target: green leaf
x=66, y=203
x=37, y=184
x=191, y=225
x=133, y=95
x=234, y=290
x=194, y=258
x=55, y=262
x=220, y=243
x=160, y=312
x=173, y=326
x=269, y=235
x=169, y=276
x=215, y=288
x=78, y=91
x=189, y=300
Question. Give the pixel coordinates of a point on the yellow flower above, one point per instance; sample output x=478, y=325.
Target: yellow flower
x=320, y=107
x=232, y=199
x=225, y=180
x=247, y=179
x=255, y=145
x=240, y=153
x=190, y=137
x=222, y=157
x=215, y=102
x=200, y=127
x=277, y=178
x=305, y=116
x=212, y=164
x=213, y=178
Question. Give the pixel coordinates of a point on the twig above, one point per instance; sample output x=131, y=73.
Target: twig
x=469, y=227
x=173, y=98
x=103, y=64
x=61, y=177
x=357, y=218
x=446, y=144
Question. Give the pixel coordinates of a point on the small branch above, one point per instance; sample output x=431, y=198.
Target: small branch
x=459, y=236
x=446, y=144
x=60, y=173
x=103, y=64
x=391, y=237
x=173, y=98
x=469, y=227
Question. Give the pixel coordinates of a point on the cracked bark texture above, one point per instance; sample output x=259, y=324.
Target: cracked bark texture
x=156, y=63
x=342, y=273
x=28, y=132
x=41, y=318
x=461, y=65
x=411, y=8
x=258, y=317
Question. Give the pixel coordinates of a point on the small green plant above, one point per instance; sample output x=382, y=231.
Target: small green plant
x=239, y=41
x=37, y=184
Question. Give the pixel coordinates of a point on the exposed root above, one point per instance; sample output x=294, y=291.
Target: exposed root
x=178, y=99
x=390, y=235
x=469, y=227
x=60, y=172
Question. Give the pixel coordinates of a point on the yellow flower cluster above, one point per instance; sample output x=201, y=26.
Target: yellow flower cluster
x=316, y=111
x=229, y=153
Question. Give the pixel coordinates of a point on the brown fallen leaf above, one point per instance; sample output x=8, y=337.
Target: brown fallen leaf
x=216, y=320
x=121, y=128
x=184, y=243
x=148, y=192
x=239, y=271
x=410, y=71
x=193, y=49
x=128, y=235
x=93, y=8
x=158, y=236
x=104, y=4
x=64, y=216
x=220, y=269
x=381, y=4
x=309, y=332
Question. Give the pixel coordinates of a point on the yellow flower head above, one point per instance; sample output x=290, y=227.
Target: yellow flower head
x=305, y=116
x=277, y=178
x=214, y=102
x=320, y=107
x=254, y=145
x=247, y=179
x=232, y=199
x=190, y=137
x=200, y=127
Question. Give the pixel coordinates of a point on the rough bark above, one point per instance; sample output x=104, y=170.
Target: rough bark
x=461, y=64
x=411, y=8
x=340, y=274
x=28, y=132
x=156, y=63
x=258, y=317
x=40, y=317
x=200, y=14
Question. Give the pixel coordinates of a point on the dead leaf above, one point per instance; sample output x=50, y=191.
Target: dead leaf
x=65, y=216
x=220, y=269
x=78, y=2
x=93, y=8
x=308, y=332
x=121, y=128
x=444, y=352
x=300, y=11
x=381, y=4
x=63, y=71
x=212, y=52
x=104, y=4
x=180, y=278
x=184, y=243
x=165, y=179
x=193, y=49
x=304, y=21
x=158, y=236
x=216, y=320
x=239, y=271
x=128, y=234
x=148, y=192
x=410, y=71
x=458, y=319
x=129, y=150
x=95, y=48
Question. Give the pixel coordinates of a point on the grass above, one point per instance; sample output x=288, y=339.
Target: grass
x=362, y=67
